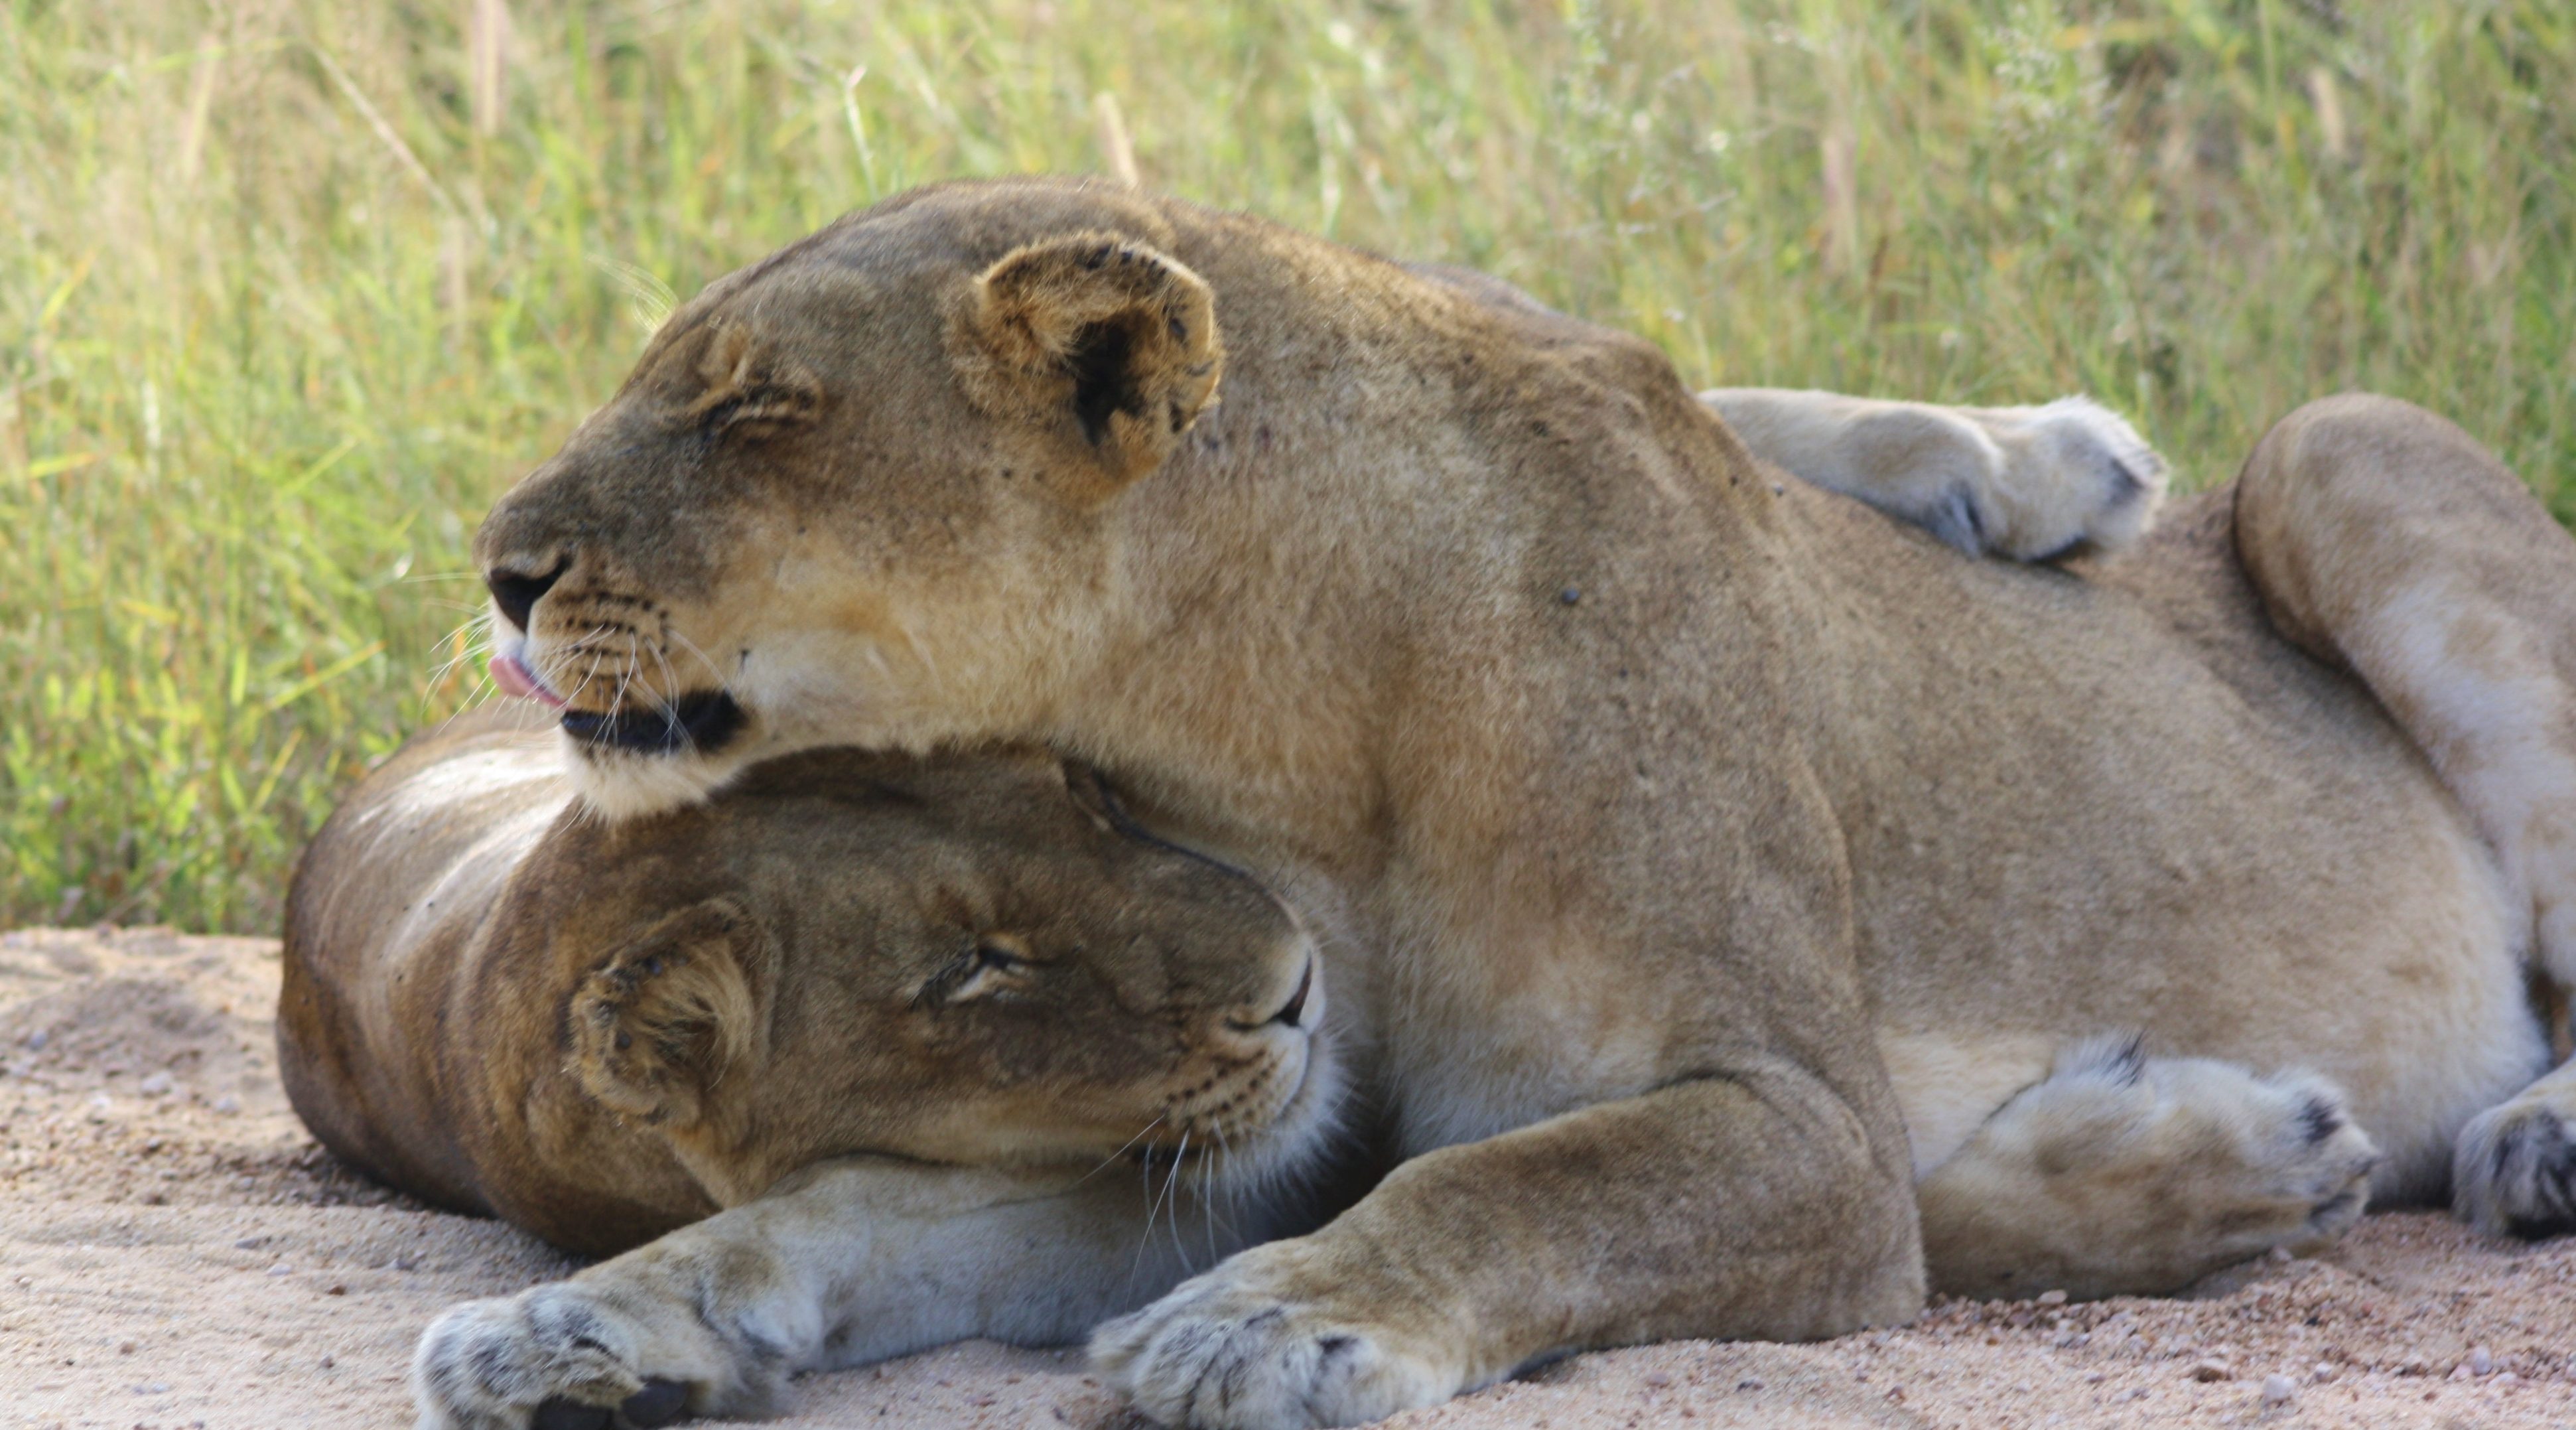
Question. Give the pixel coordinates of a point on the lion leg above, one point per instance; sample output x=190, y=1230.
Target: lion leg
x=2122, y=1175
x=1752, y=1207
x=2029, y=483
x=847, y=1262
x=2387, y=541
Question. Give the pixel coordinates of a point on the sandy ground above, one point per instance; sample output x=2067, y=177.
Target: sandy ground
x=176, y=1252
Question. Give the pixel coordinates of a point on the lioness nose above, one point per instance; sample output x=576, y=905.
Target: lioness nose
x=517, y=593
x=1289, y=1014
x=1296, y=1005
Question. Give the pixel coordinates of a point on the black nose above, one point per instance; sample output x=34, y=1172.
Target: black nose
x=516, y=594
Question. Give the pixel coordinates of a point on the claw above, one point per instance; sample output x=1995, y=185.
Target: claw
x=659, y=1403
x=562, y=1414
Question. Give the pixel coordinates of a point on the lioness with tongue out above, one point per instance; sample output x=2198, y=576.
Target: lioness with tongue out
x=1656, y=807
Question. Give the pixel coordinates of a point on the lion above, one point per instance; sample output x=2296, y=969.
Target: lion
x=602, y=1034
x=1632, y=779
x=951, y=991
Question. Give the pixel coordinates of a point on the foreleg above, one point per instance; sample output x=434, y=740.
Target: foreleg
x=844, y=1263
x=1745, y=1206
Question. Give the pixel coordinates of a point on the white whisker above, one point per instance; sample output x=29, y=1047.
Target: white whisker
x=722, y=683
x=1122, y=1151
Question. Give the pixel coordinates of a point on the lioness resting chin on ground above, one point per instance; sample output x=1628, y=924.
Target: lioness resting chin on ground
x=904, y=1017
x=1635, y=777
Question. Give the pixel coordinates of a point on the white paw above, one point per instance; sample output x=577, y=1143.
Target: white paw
x=1234, y=1350
x=560, y=1358
x=2127, y=1175
x=2025, y=483
x=2070, y=475
x=2513, y=1171
x=2269, y=1162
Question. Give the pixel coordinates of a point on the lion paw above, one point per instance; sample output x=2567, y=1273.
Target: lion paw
x=2513, y=1170
x=2064, y=477
x=2023, y=483
x=560, y=1358
x=2127, y=1175
x=1234, y=1350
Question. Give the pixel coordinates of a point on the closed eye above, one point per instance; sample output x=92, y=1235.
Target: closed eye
x=993, y=956
x=994, y=965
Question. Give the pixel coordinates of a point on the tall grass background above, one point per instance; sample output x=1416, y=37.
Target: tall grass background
x=290, y=291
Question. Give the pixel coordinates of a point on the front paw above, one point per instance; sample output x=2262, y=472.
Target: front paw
x=1241, y=1348
x=2076, y=475
x=2513, y=1171
x=554, y=1358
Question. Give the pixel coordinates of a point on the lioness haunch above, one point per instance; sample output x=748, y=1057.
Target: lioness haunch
x=906, y=1016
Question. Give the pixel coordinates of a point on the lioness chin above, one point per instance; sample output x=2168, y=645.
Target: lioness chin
x=1636, y=778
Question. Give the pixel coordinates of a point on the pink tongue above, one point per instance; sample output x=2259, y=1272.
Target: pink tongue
x=513, y=676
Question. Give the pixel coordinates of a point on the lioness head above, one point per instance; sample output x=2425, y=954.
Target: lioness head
x=961, y=960
x=853, y=493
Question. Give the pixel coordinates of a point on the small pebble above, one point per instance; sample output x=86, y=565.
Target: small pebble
x=2281, y=1256
x=156, y=1085
x=2212, y=1370
x=281, y=1269
x=2481, y=1361
x=2052, y=1298
x=1658, y=1379
x=228, y=1104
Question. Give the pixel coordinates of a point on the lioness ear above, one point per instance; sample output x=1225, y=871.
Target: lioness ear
x=1100, y=333
x=659, y=1026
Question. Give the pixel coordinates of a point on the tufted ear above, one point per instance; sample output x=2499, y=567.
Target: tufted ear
x=657, y=1027
x=1097, y=333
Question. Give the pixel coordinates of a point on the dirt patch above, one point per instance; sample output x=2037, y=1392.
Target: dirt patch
x=175, y=1251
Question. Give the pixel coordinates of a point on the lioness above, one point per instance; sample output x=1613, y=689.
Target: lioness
x=1630, y=777
x=955, y=992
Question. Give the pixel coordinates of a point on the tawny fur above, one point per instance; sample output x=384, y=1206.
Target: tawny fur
x=756, y=1033
x=1632, y=776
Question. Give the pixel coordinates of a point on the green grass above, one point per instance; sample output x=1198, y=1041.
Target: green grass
x=280, y=313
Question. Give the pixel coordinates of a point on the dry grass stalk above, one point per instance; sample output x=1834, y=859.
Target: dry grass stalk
x=487, y=51
x=1842, y=197
x=201, y=103
x=1116, y=153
